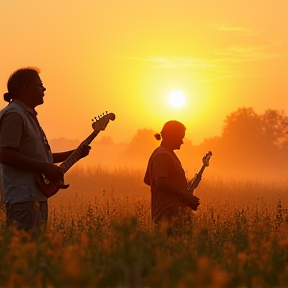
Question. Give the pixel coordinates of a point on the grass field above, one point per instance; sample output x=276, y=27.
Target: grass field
x=100, y=235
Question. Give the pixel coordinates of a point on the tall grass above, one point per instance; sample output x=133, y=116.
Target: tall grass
x=100, y=234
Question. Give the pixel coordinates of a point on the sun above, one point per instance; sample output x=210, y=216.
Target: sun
x=176, y=98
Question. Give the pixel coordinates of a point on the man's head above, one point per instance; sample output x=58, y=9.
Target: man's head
x=173, y=133
x=26, y=86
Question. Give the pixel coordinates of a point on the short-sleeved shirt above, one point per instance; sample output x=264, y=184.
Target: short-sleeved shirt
x=20, y=129
x=174, y=172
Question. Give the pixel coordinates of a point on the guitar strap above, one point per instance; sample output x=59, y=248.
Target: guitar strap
x=43, y=137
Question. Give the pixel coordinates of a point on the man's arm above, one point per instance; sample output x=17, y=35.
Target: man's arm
x=11, y=157
x=62, y=156
x=11, y=130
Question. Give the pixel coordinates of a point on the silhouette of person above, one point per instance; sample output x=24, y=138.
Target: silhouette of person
x=166, y=177
x=24, y=151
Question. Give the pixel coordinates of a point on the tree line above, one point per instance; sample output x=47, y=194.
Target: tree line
x=251, y=145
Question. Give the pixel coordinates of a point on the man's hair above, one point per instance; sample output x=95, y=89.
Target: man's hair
x=18, y=79
x=170, y=128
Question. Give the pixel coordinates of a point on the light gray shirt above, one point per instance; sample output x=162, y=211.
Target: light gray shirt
x=20, y=129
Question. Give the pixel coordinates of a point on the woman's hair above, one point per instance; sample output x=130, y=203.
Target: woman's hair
x=18, y=79
x=157, y=136
x=170, y=128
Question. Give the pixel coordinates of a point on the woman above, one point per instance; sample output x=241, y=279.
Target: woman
x=166, y=177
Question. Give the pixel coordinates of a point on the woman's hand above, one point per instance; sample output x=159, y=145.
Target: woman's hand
x=194, y=202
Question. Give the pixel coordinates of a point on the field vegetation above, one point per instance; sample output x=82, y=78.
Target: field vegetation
x=100, y=235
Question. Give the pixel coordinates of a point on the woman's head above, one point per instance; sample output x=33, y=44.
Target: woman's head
x=172, y=134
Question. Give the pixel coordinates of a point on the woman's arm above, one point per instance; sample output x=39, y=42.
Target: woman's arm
x=163, y=182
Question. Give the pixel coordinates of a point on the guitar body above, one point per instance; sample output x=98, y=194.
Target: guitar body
x=48, y=188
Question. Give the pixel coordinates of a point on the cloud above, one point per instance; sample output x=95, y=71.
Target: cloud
x=221, y=63
x=227, y=28
x=228, y=55
x=242, y=53
x=174, y=62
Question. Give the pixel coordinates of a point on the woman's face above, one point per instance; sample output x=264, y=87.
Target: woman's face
x=176, y=139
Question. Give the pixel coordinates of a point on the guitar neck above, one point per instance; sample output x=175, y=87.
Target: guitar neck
x=198, y=175
x=77, y=153
x=196, y=180
x=201, y=170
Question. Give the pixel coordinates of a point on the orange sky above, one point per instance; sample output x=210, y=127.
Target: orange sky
x=126, y=56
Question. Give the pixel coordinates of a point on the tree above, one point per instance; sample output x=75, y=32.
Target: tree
x=275, y=127
x=137, y=152
x=255, y=144
x=242, y=126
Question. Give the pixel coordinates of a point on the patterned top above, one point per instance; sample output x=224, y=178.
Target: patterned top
x=20, y=129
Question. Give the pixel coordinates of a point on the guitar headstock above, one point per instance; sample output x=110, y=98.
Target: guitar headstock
x=206, y=158
x=101, y=121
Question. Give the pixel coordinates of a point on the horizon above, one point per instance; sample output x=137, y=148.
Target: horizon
x=103, y=135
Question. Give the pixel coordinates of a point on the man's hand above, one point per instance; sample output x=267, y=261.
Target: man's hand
x=85, y=150
x=53, y=173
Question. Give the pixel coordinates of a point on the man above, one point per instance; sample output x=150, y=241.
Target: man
x=166, y=177
x=24, y=151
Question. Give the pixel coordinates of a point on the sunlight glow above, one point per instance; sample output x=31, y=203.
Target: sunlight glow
x=176, y=98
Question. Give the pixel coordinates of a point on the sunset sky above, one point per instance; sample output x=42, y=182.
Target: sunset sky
x=127, y=56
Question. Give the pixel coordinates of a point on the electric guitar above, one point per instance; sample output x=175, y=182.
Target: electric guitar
x=198, y=175
x=48, y=188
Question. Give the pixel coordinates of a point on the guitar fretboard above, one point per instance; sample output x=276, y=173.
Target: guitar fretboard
x=76, y=155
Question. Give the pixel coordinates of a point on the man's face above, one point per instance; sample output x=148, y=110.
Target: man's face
x=35, y=92
x=177, y=139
